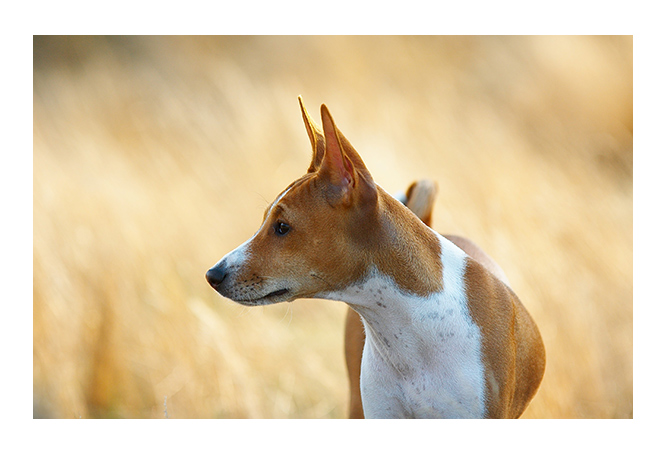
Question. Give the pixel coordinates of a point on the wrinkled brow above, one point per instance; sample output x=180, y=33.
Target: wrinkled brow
x=275, y=203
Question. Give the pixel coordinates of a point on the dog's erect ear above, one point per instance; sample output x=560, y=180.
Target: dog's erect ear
x=335, y=164
x=342, y=166
x=315, y=138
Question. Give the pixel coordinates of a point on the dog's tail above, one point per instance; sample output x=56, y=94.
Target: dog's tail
x=419, y=198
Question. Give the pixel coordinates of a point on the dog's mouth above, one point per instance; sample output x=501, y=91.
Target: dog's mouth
x=277, y=293
x=267, y=299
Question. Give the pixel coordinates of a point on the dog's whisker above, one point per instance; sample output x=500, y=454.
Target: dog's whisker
x=289, y=309
x=314, y=275
x=244, y=311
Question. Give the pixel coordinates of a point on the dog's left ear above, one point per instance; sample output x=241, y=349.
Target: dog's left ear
x=315, y=138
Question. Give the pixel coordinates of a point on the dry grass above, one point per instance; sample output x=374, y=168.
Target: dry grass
x=153, y=157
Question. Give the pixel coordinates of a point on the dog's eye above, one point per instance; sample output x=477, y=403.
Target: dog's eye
x=281, y=228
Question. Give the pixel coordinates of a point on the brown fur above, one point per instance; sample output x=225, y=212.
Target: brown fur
x=513, y=351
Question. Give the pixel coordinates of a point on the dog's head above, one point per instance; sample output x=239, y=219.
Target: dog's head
x=307, y=244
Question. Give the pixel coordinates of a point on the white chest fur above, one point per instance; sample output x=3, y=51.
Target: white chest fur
x=422, y=355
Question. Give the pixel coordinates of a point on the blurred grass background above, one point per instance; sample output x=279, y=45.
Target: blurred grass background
x=154, y=156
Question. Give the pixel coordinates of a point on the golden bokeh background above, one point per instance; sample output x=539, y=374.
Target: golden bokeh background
x=155, y=156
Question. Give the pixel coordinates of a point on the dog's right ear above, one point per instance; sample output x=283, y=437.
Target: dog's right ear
x=348, y=179
x=315, y=138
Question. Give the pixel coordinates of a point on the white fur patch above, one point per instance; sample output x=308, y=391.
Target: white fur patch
x=238, y=256
x=422, y=355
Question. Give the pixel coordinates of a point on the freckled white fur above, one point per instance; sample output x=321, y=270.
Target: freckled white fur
x=422, y=356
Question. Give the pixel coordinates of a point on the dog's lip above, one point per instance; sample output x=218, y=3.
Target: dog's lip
x=277, y=293
x=266, y=299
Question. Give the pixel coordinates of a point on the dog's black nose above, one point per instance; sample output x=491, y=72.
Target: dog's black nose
x=216, y=276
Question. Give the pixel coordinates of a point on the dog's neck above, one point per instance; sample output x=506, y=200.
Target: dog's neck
x=419, y=330
x=403, y=248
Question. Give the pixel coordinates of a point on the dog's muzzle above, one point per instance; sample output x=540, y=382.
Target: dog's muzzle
x=247, y=289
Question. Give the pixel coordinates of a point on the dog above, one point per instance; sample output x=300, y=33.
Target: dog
x=444, y=334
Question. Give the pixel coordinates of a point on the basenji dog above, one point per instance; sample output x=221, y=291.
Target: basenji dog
x=444, y=335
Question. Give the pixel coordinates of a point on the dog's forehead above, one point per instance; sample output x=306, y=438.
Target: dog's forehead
x=295, y=196
x=303, y=191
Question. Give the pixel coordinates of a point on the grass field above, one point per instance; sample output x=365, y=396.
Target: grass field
x=153, y=157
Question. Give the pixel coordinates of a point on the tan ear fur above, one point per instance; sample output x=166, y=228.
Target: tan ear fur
x=315, y=138
x=335, y=165
x=343, y=167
